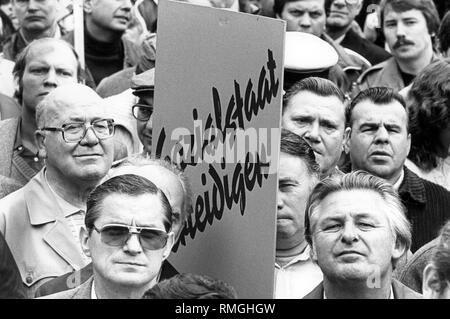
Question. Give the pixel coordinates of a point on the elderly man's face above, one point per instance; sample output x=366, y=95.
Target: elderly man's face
x=294, y=185
x=48, y=65
x=83, y=162
x=129, y=265
x=305, y=16
x=406, y=33
x=378, y=140
x=36, y=15
x=343, y=13
x=320, y=120
x=113, y=15
x=351, y=236
x=165, y=180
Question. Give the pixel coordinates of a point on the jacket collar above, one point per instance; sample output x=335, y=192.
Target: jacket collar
x=413, y=187
x=42, y=209
x=41, y=203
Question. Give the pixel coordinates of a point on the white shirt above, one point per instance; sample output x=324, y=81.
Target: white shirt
x=297, y=278
x=391, y=294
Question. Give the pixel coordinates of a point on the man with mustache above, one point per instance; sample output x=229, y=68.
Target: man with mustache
x=106, y=49
x=340, y=18
x=41, y=67
x=314, y=109
x=409, y=27
x=357, y=230
x=41, y=222
x=37, y=19
x=378, y=140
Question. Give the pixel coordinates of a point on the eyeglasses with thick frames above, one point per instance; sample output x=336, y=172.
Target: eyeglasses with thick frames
x=142, y=112
x=76, y=131
x=117, y=235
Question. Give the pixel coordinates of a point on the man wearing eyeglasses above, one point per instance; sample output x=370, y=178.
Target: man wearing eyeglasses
x=41, y=222
x=128, y=236
x=143, y=86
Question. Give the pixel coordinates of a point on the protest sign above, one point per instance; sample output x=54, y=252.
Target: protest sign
x=217, y=107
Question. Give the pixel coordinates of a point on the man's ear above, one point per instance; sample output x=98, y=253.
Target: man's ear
x=39, y=137
x=429, y=282
x=84, y=240
x=87, y=6
x=347, y=135
x=169, y=245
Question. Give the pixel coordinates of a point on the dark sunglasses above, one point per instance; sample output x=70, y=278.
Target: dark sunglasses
x=118, y=235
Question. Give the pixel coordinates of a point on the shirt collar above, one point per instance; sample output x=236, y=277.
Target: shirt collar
x=303, y=256
x=399, y=181
x=93, y=294
x=391, y=294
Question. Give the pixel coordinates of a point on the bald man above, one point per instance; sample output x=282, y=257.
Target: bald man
x=41, y=222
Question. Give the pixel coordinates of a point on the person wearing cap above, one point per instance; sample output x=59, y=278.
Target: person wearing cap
x=143, y=86
x=309, y=16
x=300, y=63
x=341, y=16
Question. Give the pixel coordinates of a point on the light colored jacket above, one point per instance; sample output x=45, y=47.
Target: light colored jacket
x=38, y=234
x=81, y=292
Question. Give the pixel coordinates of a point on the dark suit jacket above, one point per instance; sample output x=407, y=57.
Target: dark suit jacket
x=400, y=292
x=367, y=49
x=77, y=278
x=427, y=205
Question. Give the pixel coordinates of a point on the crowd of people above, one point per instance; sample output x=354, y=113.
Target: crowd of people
x=363, y=202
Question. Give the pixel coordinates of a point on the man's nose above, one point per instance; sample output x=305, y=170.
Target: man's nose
x=133, y=245
x=382, y=135
x=90, y=138
x=305, y=21
x=126, y=5
x=149, y=124
x=401, y=31
x=339, y=4
x=349, y=233
x=33, y=5
x=51, y=78
x=313, y=132
x=280, y=202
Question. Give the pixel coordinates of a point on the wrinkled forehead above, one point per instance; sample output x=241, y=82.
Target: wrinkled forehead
x=164, y=179
x=341, y=205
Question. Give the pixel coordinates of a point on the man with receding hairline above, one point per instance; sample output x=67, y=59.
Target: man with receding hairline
x=41, y=222
x=40, y=68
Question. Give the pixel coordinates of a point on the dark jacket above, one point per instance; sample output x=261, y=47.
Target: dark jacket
x=427, y=205
x=367, y=49
x=10, y=280
x=74, y=279
x=400, y=292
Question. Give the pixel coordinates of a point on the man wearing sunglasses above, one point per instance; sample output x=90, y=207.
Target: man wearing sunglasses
x=166, y=176
x=41, y=222
x=128, y=236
